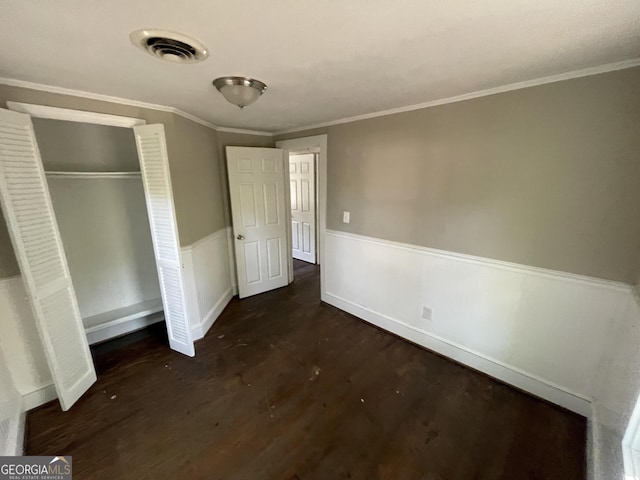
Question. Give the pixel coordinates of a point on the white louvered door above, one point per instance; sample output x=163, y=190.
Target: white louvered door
x=154, y=164
x=36, y=240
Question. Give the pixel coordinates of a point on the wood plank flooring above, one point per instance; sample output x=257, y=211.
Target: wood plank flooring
x=285, y=387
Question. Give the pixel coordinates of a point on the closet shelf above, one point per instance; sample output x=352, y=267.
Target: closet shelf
x=60, y=174
x=121, y=315
x=122, y=320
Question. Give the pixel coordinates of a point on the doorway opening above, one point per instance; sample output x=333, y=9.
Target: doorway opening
x=302, y=192
x=262, y=191
x=307, y=192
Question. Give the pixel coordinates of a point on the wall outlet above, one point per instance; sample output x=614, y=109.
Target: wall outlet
x=426, y=313
x=346, y=217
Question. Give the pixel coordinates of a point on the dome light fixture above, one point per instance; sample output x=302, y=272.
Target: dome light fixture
x=240, y=91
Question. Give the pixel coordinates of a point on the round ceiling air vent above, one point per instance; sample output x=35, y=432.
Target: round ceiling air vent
x=171, y=46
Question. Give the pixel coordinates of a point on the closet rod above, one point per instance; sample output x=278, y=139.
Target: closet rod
x=93, y=174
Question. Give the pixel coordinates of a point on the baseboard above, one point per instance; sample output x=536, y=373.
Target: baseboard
x=200, y=330
x=496, y=369
x=39, y=397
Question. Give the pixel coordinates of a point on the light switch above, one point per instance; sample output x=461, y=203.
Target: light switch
x=346, y=217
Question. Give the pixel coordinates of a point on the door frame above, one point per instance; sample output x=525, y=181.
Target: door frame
x=314, y=144
x=66, y=114
x=316, y=153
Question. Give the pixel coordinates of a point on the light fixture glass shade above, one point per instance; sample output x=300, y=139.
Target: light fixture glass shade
x=240, y=91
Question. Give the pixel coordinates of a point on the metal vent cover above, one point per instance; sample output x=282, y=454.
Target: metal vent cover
x=171, y=46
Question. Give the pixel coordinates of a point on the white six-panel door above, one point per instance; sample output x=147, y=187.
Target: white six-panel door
x=303, y=206
x=256, y=187
x=38, y=247
x=154, y=165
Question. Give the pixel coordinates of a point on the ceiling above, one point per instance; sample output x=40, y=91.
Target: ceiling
x=322, y=60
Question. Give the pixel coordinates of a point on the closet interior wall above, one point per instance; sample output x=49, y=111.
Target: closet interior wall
x=97, y=193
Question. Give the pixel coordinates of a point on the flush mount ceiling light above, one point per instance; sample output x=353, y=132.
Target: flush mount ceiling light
x=171, y=46
x=240, y=91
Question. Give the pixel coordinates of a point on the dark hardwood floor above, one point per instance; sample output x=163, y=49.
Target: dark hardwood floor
x=285, y=387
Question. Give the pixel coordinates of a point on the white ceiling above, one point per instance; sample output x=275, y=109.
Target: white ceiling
x=322, y=59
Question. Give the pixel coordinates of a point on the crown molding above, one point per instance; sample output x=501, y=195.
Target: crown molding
x=12, y=82
x=585, y=72
x=244, y=131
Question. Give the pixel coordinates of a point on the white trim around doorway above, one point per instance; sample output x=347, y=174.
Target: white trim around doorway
x=315, y=144
x=56, y=113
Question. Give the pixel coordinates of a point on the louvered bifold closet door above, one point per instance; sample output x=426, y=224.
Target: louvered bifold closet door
x=154, y=163
x=34, y=232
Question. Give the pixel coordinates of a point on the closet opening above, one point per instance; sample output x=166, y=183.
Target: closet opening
x=92, y=213
x=97, y=193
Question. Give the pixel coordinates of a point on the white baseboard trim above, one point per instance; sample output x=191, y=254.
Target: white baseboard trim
x=39, y=397
x=499, y=370
x=200, y=330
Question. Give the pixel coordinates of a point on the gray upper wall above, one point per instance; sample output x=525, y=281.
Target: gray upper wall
x=84, y=147
x=197, y=179
x=547, y=176
x=193, y=161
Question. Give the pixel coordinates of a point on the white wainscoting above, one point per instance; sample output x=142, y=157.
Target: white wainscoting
x=11, y=413
x=22, y=345
x=23, y=371
x=543, y=331
x=207, y=280
x=616, y=395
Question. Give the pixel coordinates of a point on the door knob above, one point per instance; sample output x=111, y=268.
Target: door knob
x=240, y=237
